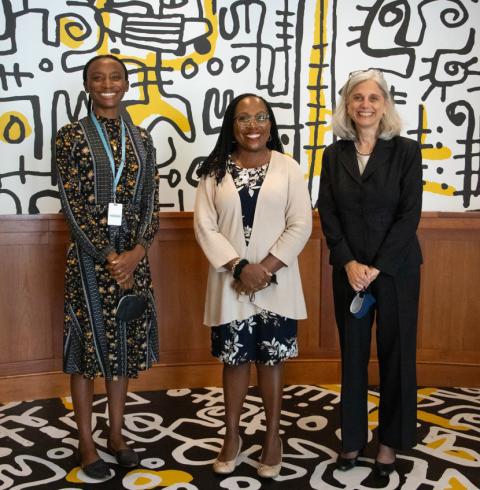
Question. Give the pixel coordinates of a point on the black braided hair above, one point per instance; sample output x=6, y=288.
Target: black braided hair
x=87, y=66
x=216, y=163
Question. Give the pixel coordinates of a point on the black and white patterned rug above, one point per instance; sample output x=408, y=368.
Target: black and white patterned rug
x=178, y=433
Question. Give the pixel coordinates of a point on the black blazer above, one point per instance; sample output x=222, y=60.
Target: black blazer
x=372, y=218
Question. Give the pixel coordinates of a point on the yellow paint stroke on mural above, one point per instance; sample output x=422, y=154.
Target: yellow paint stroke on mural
x=176, y=63
x=432, y=153
x=68, y=35
x=317, y=94
x=437, y=188
x=442, y=153
x=103, y=49
x=12, y=125
x=156, y=105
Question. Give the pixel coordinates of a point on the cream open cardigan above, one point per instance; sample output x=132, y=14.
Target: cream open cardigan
x=282, y=226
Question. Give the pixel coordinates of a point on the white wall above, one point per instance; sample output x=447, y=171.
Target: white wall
x=297, y=54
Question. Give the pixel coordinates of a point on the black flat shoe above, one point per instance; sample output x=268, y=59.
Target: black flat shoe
x=345, y=464
x=127, y=458
x=98, y=470
x=384, y=469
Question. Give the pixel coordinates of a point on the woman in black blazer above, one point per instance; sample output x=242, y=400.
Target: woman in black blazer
x=370, y=203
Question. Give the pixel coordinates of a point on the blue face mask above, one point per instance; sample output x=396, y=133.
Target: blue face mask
x=361, y=304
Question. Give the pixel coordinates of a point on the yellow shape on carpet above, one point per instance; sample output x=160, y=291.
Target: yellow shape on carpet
x=455, y=485
x=148, y=479
x=440, y=421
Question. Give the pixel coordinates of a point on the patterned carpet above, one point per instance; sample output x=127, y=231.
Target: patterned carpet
x=177, y=434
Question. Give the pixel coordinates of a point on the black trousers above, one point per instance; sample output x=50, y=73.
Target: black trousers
x=396, y=312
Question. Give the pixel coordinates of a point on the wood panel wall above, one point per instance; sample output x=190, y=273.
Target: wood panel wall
x=32, y=251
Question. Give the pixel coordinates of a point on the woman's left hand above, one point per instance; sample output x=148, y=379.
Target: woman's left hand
x=372, y=274
x=128, y=283
x=124, y=264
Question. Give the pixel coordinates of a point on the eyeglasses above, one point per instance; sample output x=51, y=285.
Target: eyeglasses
x=245, y=120
x=357, y=72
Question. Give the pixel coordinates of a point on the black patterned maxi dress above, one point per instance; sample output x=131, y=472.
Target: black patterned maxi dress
x=95, y=344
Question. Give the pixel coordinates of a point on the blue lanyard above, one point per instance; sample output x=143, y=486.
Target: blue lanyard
x=106, y=146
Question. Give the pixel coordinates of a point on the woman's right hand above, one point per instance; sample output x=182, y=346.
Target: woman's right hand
x=255, y=276
x=240, y=288
x=124, y=282
x=358, y=275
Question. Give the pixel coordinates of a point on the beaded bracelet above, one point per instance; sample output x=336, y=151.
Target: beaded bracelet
x=237, y=270
x=232, y=269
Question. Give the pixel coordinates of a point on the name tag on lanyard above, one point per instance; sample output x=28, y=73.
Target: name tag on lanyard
x=114, y=209
x=114, y=214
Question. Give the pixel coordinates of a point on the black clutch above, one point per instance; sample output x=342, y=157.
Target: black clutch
x=130, y=307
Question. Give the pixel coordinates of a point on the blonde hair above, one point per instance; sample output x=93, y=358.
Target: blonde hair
x=342, y=124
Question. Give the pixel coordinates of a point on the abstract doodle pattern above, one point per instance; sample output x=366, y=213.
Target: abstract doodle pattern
x=178, y=433
x=188, y=58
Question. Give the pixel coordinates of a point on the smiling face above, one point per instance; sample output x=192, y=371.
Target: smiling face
x=366, y=105
x=107, y=85
x=253, y=135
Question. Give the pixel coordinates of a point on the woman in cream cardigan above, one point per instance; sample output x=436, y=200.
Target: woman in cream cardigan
x=252, y=219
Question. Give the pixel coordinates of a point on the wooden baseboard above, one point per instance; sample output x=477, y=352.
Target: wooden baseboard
x=161, y=377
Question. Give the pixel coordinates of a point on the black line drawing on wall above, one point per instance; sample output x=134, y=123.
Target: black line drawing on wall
x=188, y=58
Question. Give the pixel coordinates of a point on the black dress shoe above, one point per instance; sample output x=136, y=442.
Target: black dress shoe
x=98, y=470
x=384, y=469
x=345, y=464
x=127, y=458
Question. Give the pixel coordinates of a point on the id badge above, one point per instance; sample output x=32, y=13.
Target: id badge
x=114, y=214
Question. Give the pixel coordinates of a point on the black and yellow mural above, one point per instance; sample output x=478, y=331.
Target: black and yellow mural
x=188, y=58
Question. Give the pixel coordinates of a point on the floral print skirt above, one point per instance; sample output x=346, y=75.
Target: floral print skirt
x=265, y=338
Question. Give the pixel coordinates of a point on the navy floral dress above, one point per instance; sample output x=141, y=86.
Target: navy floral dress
x=265, y=337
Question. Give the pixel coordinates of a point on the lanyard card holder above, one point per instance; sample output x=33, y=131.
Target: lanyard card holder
x=114, y=214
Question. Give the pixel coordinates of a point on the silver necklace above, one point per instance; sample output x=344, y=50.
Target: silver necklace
x=360, y=153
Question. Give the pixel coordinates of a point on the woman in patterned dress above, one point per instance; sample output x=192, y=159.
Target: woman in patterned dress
x=104, y=259
x=252, y=219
